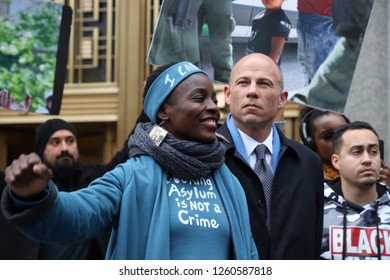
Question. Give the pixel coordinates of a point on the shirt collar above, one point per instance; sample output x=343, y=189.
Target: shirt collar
x=250, y=144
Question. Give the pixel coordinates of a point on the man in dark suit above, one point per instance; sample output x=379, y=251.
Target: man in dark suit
x=255, y=95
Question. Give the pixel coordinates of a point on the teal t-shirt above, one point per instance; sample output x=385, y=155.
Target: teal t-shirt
x=199, y=224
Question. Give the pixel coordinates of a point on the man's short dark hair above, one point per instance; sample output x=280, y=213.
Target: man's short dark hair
x=337, y=140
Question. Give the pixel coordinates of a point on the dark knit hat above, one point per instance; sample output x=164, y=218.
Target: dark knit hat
x=47, y=129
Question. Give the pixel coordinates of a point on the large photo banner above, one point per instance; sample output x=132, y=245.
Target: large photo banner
x=316, y=43
x=34, y=41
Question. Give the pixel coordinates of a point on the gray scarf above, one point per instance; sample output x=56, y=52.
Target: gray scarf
x=180, y=158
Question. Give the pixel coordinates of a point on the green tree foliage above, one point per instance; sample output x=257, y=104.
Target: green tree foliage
x=28, y=50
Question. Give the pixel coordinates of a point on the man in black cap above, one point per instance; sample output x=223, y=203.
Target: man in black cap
x=56, y=144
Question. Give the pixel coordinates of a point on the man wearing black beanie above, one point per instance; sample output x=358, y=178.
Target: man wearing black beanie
x=56, y=144
x=47, y=129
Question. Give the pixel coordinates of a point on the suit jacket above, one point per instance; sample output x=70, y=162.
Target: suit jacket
x=297, y=200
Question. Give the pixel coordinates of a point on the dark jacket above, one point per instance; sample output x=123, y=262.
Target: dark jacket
x=15, y=246
x=297, y=201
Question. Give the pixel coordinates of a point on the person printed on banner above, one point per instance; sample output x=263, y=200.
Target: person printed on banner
x=270, y=31
x=315, y=34
x=48, y=101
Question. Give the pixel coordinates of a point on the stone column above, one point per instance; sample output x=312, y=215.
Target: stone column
x=369, y=98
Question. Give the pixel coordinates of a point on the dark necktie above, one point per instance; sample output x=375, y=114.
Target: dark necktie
x=264, y=172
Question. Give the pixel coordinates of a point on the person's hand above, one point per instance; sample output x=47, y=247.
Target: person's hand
x=384, y=175
x=27, y=176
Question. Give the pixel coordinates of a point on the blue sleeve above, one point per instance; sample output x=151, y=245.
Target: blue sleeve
x=82, y=214
x=21, y=203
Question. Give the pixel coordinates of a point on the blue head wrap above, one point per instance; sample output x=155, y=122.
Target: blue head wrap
x=162, y=87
